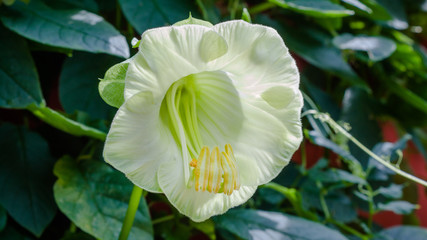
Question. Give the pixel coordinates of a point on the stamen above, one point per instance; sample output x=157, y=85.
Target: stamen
x=215, y=169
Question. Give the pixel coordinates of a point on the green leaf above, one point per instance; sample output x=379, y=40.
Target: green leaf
x=334, y=175
x=95, y=197
x=65, y=124
x=75, y=29
x=19, y=82
x=157, y=13
x=3, y=218
x=398, y=207
x=10, y=233
x=191, y=20
x=377, y=47
x=89, y=5
x=315, y=8
x=392, y=191
x=402, y=233
x=26, y=178
x=257, y=224
x=111, y=87
x=396, y=9
x=359, y=5
x=378, y=12
x=316, y=47
x=78, y=84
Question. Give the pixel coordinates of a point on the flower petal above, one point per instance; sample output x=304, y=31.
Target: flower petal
x=199, y=206
x=138, y=141
x=165, y=55
x=257, y=57
x=267, y=140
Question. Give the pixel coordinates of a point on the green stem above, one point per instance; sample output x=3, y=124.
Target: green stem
x=135, y=198
x=323, y=201
x=371, y=205
x=261, y=7
x=203, y=9
x=349, y=230
x=163, y=219
x=337, y=127
x=118, y=15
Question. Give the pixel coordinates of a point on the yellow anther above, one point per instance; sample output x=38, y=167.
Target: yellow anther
x=215, y=169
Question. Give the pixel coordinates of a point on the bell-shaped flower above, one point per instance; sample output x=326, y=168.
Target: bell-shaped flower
x=210, y=113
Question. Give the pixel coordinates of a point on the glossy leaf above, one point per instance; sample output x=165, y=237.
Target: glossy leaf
x=257, y=224
x=377, y=47
x=402, y=233
x=111, y=87
x=398, y=207
x=19, y=82
x=156, y=13
x=89, y=5
x=95, y=197
x=75, y=29
x=78, y=84
x=359, y=5
x=315, y=8
x=396, y=9
x=392, y=191
x=26, y=177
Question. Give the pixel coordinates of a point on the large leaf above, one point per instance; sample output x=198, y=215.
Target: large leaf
x=78, y=84
x=316, y=8
x=256, y=224
x=396, y=9
x=19, y=82
x=402, y=233
x=377, y=47
x=146, y=14
x=89, y=5
x=26, y=178
x=75, y=29
x=95, y=197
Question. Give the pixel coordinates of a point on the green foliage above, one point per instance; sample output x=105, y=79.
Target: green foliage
x=62, y=76
x=95, y=197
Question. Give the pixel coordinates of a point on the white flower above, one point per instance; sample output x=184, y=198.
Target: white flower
x=210, y=113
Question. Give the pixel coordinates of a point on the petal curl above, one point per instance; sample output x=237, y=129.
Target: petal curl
x=199, y=206
x=138, y=141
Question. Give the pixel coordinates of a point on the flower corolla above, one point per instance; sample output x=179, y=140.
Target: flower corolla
x=210, y=113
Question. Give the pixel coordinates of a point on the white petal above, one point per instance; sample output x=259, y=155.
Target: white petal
x=138, y=141
x=268, y=140
x=257, y=58
x=165, y=55
x=199, y=206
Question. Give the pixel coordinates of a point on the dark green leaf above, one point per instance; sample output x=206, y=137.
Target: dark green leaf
x=10, y=233
x=333, y=175
x=256, y=224
x=26, y=178
x=398, y=207
x=78, y=84
x=377, y=47
x=402, y=233
x=19, y=82
x=95, y=197
x=111, y=87
x=3, y=218
x=396, y=9
x=89, y=5
x=315, y=8
x=157, y=13
x=75, y=29
x=392, y=191
x=65, y=124
x=378, y=12
x=359, y=5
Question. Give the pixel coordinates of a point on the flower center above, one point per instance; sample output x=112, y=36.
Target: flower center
x=187, y=102
x=216, y=172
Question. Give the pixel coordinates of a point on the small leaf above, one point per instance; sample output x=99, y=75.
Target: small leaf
x=402, y=233
x=246, y=16
x=78, y=84
x=398, y=207
x=191, y=20
x=392, y=191
x=377, y=47
x=334, y=176
x=75, y=29
x=315, y=8
x=257, y=224
x=26, y=178
x=95, y=197
x=111, y=87
x=156, y=13
x=19, y=82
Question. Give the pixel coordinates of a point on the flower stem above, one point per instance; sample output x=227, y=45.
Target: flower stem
x=261, y=7
x=135, y=198
x=163, y=219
